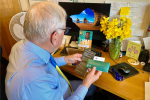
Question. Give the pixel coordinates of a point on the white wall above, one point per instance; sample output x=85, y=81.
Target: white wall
x=25, y=3
x=102, y=1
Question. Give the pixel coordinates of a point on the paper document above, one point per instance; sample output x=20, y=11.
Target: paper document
x=99, y=58
x=63, y=42
x=67, y=38
x=133, y=50
x=146, y=42
x=147, y=90
x=74, y=44
x=125, y=10
x=124, y=43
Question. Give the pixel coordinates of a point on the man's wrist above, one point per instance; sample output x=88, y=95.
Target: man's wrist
x=86, y=84
x=66, y=59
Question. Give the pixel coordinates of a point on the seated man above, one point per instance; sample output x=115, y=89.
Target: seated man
x=32, y=73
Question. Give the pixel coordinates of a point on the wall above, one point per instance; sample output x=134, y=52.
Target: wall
x=102, y=1
x=24, y=5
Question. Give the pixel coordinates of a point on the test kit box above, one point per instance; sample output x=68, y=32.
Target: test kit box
x=101, y=66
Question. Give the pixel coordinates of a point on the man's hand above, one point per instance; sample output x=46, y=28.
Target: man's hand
x=73, y=58
x=92, y=76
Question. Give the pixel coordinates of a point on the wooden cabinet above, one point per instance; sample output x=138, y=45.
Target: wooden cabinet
x=8, y=8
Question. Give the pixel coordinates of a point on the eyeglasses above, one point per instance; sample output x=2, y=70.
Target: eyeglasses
x=66, y=30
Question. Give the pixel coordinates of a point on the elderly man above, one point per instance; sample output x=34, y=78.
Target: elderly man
x=32, y=73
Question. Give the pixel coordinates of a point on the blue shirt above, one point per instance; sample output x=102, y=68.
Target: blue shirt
x=31, y=76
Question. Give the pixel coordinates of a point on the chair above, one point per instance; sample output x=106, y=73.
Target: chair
x=16, y=30
x=3, y=65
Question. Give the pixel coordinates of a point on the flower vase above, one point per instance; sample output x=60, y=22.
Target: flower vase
x=114, y=48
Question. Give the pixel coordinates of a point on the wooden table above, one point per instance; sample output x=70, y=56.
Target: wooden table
x=130, y=88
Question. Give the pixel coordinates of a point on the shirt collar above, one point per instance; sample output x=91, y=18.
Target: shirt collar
x=43, y=54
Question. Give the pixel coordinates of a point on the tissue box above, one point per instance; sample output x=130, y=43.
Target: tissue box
x=101, y=66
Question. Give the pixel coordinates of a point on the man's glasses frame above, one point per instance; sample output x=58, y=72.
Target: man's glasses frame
x=66, y=30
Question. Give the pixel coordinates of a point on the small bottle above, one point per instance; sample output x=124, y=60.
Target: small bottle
x=148, y=32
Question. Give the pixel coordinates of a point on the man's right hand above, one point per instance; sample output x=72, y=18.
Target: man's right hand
x=92, y=76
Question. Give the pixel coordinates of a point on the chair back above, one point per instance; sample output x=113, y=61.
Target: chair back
x=3, y=65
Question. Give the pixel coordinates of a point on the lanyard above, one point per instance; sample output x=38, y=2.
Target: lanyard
x=60, y=72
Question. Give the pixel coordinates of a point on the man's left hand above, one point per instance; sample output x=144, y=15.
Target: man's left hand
x=73, y=58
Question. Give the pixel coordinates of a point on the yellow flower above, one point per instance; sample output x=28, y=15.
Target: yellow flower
x=115, y=28
x=106, y=18
x=128, y=20
x=104, y=21
x=108, y=37
x=111, y=24
x=103, y=27
x=115, y=21
x=122, y=19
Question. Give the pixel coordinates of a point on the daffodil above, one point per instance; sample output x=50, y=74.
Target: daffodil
x=122, y=19
x=115, y=28
x=115, y=21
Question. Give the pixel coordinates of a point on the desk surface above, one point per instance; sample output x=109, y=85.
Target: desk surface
x=130, y=88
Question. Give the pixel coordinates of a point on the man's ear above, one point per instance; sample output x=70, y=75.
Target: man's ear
x=53, y=38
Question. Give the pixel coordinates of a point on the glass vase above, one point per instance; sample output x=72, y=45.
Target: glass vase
x=114, y=48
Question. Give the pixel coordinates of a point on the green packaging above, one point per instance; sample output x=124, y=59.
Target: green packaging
x=101, y=66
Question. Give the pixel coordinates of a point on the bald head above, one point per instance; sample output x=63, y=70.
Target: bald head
x=42, y=19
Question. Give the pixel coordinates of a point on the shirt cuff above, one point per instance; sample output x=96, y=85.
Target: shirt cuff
x=60, y=61
x=81, y=91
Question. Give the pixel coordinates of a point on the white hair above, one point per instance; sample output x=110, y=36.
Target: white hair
x=42, y=19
